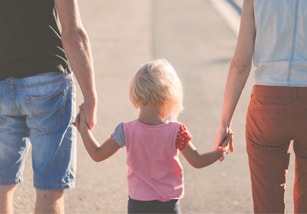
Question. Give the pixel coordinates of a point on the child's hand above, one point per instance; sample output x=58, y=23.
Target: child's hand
x=76, y=123
x=227, y=143
x=80, y=121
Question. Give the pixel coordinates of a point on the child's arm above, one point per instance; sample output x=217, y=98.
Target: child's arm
x=95, y=150
x=202, y=160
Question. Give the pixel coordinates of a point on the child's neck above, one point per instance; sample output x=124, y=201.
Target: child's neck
x=150, y=116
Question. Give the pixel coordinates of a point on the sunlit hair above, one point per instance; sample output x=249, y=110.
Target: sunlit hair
x=157, y=83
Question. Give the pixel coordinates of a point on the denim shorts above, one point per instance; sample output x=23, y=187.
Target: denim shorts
x=38, y=111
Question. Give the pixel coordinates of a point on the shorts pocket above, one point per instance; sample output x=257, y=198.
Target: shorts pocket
x=47, y=112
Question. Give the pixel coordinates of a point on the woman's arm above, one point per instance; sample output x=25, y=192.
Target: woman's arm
x=239, y=69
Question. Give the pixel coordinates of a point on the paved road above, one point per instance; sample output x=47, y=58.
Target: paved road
x=198, y=42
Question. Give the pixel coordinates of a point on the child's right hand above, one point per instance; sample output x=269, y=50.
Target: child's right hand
x=80, y=121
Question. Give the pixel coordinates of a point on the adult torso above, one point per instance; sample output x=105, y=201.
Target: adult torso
x=280, y=54
x=30, y=41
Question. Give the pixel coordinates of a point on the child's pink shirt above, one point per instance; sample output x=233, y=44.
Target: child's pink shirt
x=154, y=169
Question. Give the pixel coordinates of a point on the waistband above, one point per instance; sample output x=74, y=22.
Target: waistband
x=38, y=79
x=280, y=91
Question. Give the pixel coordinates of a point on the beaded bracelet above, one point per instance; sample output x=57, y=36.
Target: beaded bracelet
x=223, y=150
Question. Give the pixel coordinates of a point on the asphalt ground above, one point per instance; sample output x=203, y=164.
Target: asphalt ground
x=199, y=42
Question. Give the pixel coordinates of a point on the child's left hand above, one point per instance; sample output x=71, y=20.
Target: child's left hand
x=228, y=142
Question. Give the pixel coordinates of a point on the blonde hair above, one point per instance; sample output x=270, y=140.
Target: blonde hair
x=157, y=83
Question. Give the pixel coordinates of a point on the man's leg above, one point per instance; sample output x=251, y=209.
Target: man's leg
x=52, y=108
x=49, y=201
x=6, y=198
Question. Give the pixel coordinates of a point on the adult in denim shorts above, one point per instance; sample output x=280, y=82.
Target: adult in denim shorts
x=37, y=97
x=273, y=35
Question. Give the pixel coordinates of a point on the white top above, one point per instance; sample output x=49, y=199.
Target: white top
x=280, y=54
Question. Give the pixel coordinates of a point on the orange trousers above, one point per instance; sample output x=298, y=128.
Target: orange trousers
x=276, y=117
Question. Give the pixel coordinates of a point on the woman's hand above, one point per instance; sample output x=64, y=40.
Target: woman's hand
x=224, y=138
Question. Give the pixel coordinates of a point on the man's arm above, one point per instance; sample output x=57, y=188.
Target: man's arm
x=78, y=51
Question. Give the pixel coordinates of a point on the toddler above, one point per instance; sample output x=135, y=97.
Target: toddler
x=153, y=141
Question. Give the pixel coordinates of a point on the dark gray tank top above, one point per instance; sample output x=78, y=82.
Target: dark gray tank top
x=30, y=40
